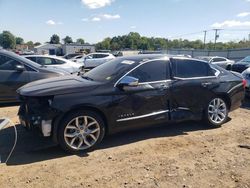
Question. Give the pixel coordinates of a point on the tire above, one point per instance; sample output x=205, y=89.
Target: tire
x=216, y=112
x=81, y=131
x=229, y=67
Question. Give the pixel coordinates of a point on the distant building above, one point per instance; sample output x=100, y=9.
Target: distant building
x=51, y=49
x=63, y=49
x=75, y=48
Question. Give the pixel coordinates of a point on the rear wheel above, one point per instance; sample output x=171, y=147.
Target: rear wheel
x=216, y=112
x=81, y=131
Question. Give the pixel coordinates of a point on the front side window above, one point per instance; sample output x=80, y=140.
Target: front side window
x=151, y=71
x=184, y=68
x=7, y=63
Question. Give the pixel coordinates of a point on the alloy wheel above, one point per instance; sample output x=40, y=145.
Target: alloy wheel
x=82, y=132
x=217, y=111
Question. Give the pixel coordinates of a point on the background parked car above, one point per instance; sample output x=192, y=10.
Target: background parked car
x=70, y=56
x=15, y=71
x=56, y=62
x=246, y=75
x=93, y=60
x=220, y=61
x=242, y=65
x=76, y=58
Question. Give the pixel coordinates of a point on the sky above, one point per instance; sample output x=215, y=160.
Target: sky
x=94, y=20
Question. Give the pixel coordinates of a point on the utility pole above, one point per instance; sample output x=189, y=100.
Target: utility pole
x=249, y=37
x=205, y=36
x=216, y=36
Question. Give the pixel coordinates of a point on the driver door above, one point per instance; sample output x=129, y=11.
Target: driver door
x=148, y=102
x=11, y=78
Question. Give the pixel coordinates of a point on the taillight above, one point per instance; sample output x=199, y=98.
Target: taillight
x=244, y=82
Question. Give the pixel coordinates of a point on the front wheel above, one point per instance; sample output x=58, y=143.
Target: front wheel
x=216, y=112
x=81, y=131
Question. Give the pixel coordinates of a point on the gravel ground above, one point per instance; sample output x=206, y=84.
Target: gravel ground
x=177, y=155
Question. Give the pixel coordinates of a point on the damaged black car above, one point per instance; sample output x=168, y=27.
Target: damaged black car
x=128, y=92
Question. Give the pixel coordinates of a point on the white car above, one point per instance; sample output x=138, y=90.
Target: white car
x=220, y=61
x=56, y=62
x=76, y=58
x=95, y=59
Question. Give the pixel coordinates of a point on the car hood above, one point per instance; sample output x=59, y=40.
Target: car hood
x=57, y=86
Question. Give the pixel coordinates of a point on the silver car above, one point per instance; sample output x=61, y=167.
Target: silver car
x=220, y=61
x=93, y=60
x=56, y=62
x=246, y=75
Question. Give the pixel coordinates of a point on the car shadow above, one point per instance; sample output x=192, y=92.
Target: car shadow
x=246, y=103
x=32, y=148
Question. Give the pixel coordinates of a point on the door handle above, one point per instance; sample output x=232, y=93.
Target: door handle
x=205, y=84
x=164, y=87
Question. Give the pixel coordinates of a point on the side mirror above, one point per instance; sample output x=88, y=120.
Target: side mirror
x=20, y=68
x=128, y=81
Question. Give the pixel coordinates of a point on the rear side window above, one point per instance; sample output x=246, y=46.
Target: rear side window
x=32, y=58
x=218, y=59
x=184, y=68
x=152, y=71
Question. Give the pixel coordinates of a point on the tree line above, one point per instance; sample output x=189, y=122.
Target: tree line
x=10, y=41
x=133, y=41
x=136, y=42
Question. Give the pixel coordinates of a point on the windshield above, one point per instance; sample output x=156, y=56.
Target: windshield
x=246, y=59
x=110, y=70
x=204, y=58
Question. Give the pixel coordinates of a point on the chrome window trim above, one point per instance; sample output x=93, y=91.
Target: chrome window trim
x=161, y=59
x=142, y=116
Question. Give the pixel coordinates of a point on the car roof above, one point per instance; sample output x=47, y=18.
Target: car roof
x=104, y=53
x=146, y=57
x=50, y=56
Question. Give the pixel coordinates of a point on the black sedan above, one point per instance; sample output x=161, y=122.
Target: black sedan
x=129, y=92
x=16, y=71
x=242, y=65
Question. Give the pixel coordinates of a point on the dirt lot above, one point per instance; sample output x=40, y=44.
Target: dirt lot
x=180, y=155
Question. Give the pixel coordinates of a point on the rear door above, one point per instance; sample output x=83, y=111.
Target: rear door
x=192, y=88
x=10, y=78
x=147, y=103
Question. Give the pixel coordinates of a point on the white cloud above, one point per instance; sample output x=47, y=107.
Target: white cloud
x=133, y=27
x=231, y=23
x=243, y=14
x=111, y=17
x=96, y=19
x=94, y=4
x=52, y=22
x=100, y=17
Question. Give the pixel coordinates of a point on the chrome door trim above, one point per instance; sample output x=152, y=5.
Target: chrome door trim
x=143, y=116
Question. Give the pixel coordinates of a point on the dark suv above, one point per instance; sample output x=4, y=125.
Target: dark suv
x=129, y=92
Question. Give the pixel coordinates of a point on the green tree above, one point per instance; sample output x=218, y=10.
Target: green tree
x=54, y=39
x=67, y=40
x=37, y=43
x=7, y=40
x=80, y=41
x=19, y=40
x=30, y=44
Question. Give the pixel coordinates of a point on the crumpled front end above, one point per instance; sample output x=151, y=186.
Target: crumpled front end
x=37, y=113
